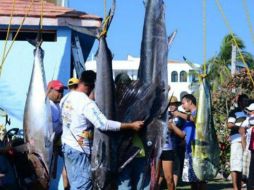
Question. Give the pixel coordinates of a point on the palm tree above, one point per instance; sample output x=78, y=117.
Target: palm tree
x=219, y=65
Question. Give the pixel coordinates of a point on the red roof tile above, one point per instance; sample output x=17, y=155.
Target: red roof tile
x=50, y=10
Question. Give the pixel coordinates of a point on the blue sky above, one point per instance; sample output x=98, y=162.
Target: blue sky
x=125, y=34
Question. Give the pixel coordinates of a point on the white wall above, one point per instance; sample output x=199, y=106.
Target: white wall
x=130, y=66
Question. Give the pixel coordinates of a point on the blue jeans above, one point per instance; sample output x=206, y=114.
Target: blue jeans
x=131, y=178
x=78, y=168
x=57, y=183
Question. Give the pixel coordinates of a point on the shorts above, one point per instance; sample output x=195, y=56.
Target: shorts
x=246, y=163
x=167, y=155
x=236, y=157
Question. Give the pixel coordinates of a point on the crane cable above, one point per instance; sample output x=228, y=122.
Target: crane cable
x=226, y=22
x=247, y=13
x=204, y=74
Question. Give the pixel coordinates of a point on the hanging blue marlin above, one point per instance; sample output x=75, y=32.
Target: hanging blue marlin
x=103, y=156
x=147, y=98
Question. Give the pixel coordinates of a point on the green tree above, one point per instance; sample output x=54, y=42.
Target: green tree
x=219, y=65
x=222, y=101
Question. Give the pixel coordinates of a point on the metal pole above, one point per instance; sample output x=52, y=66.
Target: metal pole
x=233, y=60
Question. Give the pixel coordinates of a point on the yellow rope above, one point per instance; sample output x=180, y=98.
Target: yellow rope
x=105, y=23
x=41, y=21
x=247, y=13
x=105, y=8
x=27, y=12
x=233, y=37
x=204, y=34
x=106, y=19
x=8, y=32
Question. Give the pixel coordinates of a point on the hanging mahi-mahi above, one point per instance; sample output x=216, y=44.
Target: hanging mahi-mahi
x=205, y=150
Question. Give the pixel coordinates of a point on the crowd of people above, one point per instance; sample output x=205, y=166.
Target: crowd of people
x=79, y=114
x=75, y=114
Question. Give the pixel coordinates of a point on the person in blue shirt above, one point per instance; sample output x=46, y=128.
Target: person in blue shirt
x=189, y=105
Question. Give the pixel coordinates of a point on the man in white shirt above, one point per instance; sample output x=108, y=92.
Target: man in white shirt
x=235, y=120
x=80, y=114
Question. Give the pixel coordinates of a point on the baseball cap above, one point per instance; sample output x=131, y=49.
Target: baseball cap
x=56, y=85
x=73, y=81
x=250, y=108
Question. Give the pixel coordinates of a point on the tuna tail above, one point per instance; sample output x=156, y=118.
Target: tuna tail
x=38, y=40
x=35, y=43
x=41, y=168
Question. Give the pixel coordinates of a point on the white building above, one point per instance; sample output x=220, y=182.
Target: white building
x=180, y=74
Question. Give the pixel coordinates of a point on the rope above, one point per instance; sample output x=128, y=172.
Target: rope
x=8, y=51
x=105, y=23
x=233, y=37
x=54, y=71
x=41, y=19
x=247, y=13
x=8, y=31
x=105, y=8
x=204, y=35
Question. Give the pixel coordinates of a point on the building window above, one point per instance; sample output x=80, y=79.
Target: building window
x=174, y=76
x=25, y=35
x=183, y=76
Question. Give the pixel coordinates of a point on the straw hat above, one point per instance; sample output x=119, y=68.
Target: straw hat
x=173, y=100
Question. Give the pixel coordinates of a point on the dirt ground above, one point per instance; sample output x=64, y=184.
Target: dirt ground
x=213, y=185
